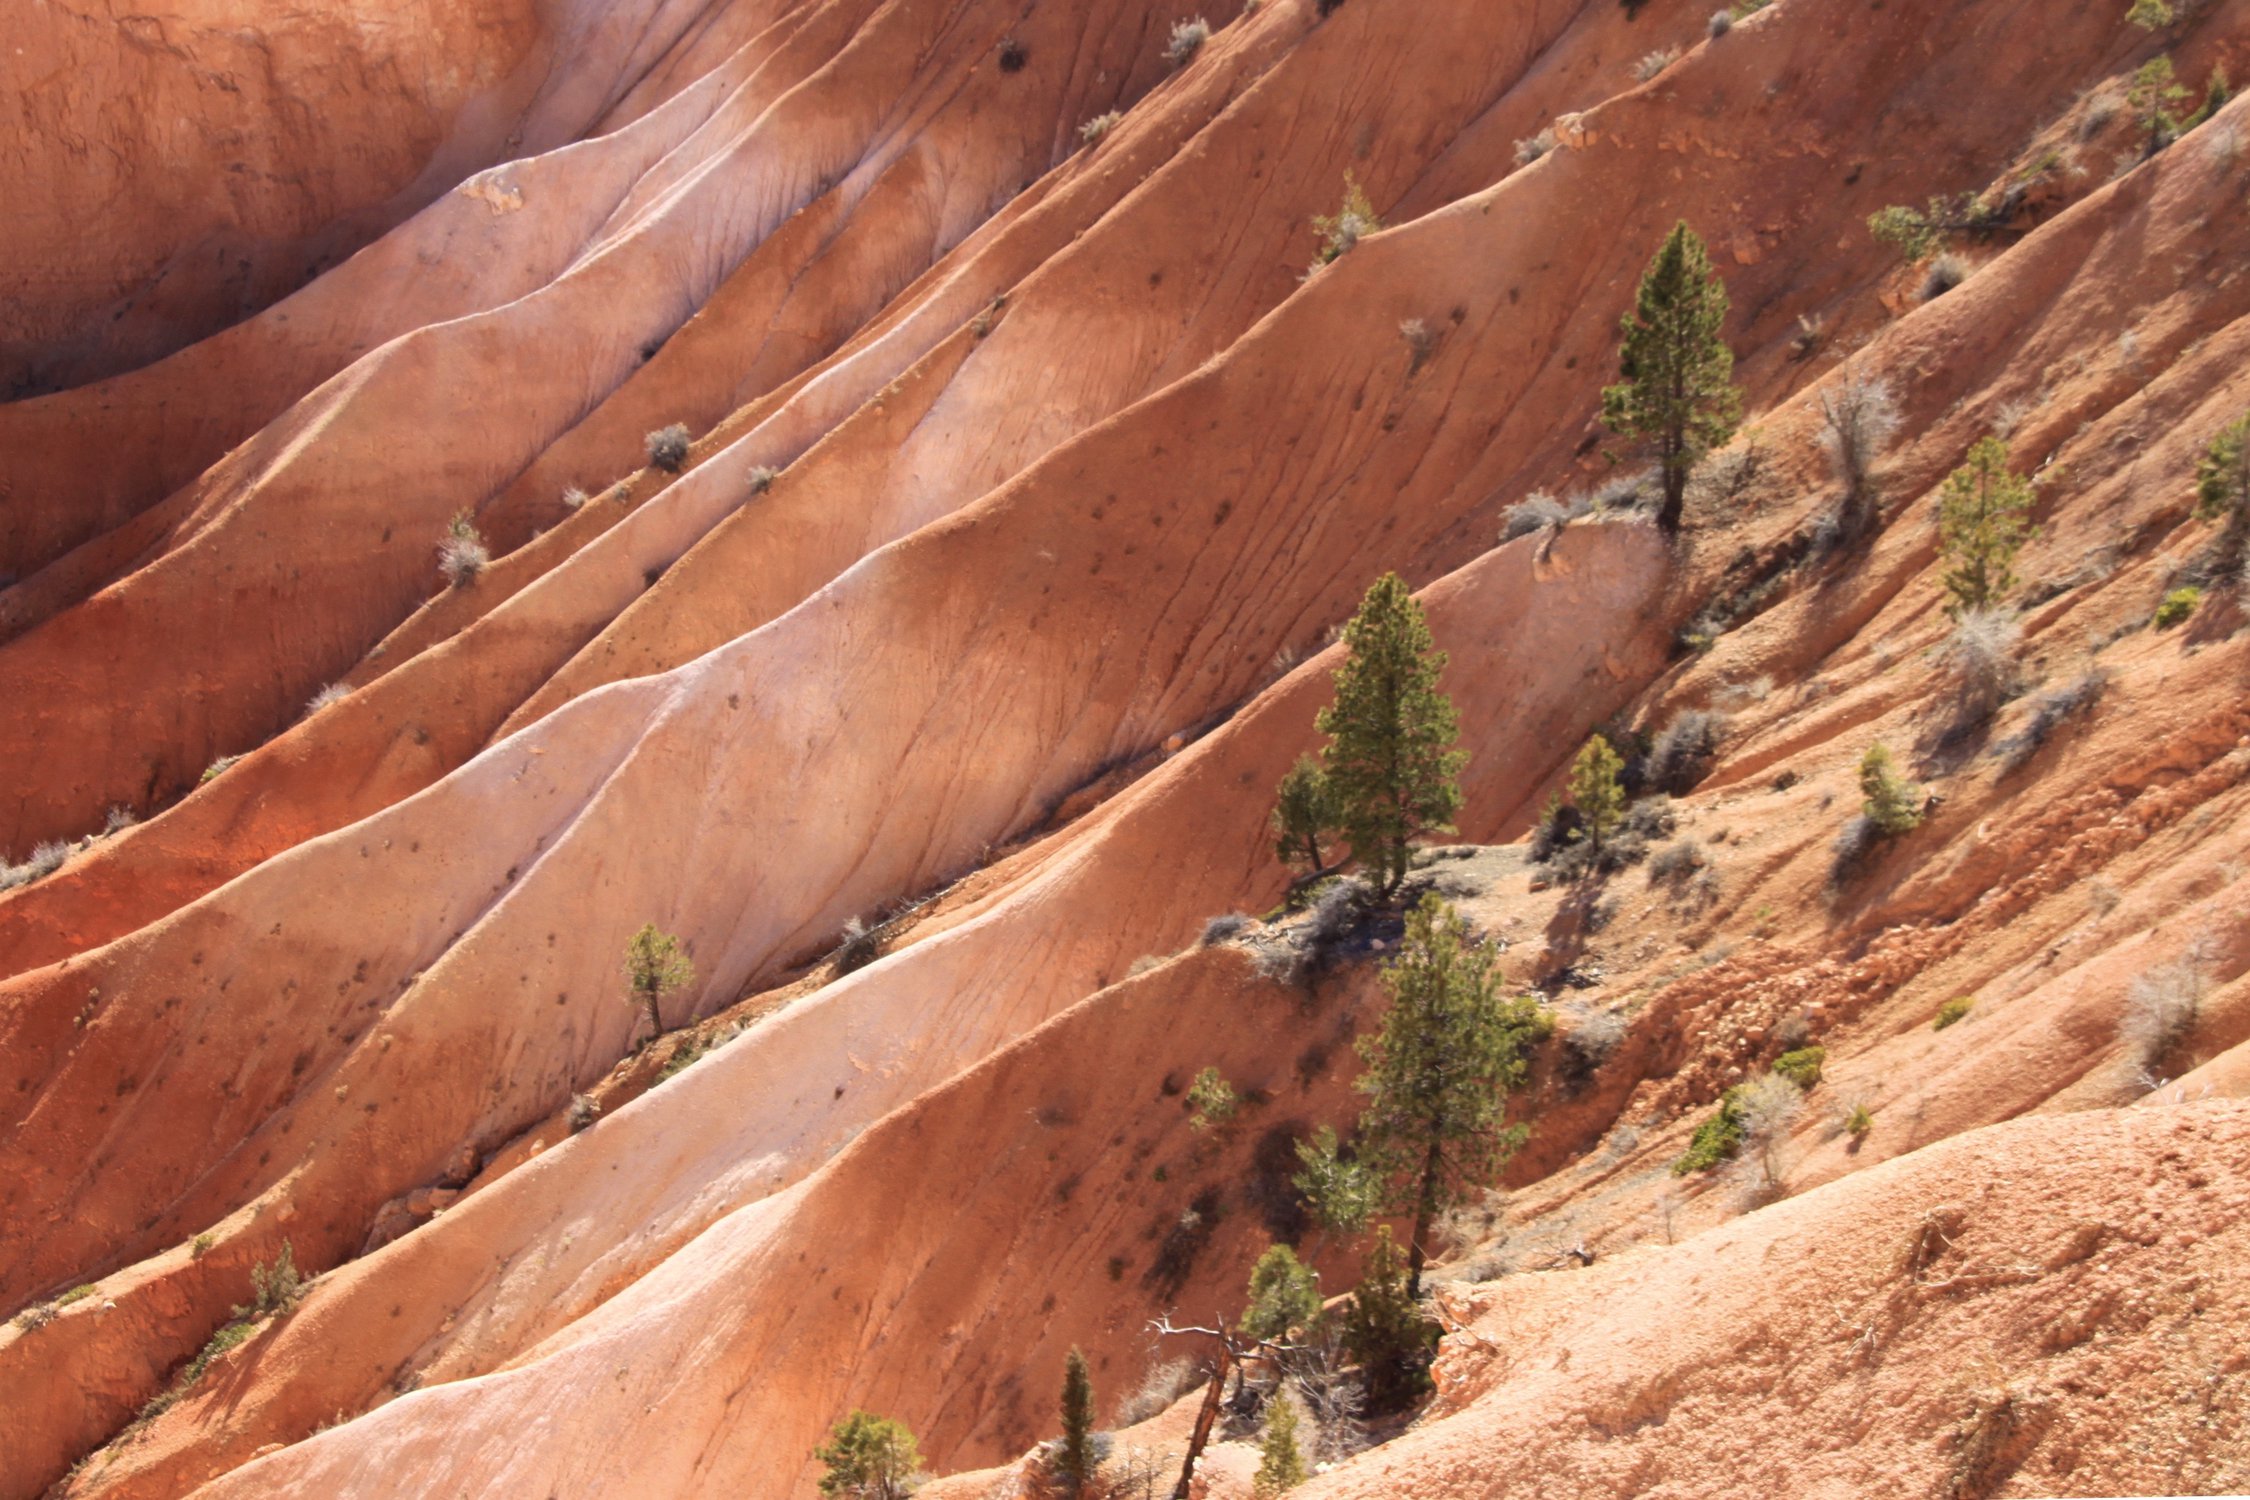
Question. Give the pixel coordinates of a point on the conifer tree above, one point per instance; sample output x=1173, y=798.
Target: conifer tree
x=1983, y=520
x=1284, y=1294
x=1304, y=812
x=868, y=1458
x=1281, y=1467
x=1391, y=765
x=1677, y=371
x=655, y=966
x=1074, y=1456
x=1596, y=792
x=1385, y=1332
x=2222, y=491
x=1439, y=1071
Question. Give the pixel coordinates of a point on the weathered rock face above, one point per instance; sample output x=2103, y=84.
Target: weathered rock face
x=1024, y=465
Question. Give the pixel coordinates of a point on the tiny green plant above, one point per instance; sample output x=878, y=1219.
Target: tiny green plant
x=1953, y=1010
x=2222, y=491
x=2155, y=97
x=2150, y=15
x=1859, y=1121
x=2177, y=606
x=201, y=1245
x=1716, y=1140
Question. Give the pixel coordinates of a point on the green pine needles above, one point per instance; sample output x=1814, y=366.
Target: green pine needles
x=1677, y=372
x=1984, y=518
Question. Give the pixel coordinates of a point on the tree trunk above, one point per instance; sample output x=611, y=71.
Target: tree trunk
x=655, y=1019
x=1425, y=1210
x=1204, y=1419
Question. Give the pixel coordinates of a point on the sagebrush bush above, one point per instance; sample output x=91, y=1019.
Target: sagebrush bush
x=461, y=551
x=1676, y=861
x=583, y=1112
x=1980, y=662
x=1946, y=272
x=334, y=692
x=1188, y=38
x=1224, y=927
x=668, y=447
x=2052, y=709
x=1722, y=22
x=1165, y=1383
x=2161, y=1007
x=1536, y=511
x=574, y=498
x=761, y=477
x=1858, y=419
x=1684, y=751
x=1590, y=1034
x=1099, y=126
x=1653, y=63
x=1343, y=229
x=1532, y=147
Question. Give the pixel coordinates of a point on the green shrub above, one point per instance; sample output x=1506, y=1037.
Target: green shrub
x=1596, y=792
x=868, y=1458
x=1801, y=1067
x=2177, y=606
x=2150, y=15
x=201, y=1245
x=1715, y=1140
x=1211, y=1100
x=1859, y=1121
x=1284, y=1294
x=274, y=1289
x=1951, y=1011
x=1348, y=225
x=1281, y=1467
x=1984, y=518
x=1385, y=1332
x=75, y=1294
x=1893, y=804
x=2155, y=98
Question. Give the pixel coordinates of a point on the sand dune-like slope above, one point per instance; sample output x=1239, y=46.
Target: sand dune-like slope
x=1026, y=468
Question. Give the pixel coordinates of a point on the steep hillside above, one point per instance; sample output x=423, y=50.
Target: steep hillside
x=1026, y=460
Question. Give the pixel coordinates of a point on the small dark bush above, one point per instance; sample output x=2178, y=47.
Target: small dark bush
x=1013, y=55
x=668, y=448
x=1684, y=752
x=1221, y=928
x=861, y=946
x=1715, y=1140
x=1188, y=38
x=2050, y=712
x=1849, y=854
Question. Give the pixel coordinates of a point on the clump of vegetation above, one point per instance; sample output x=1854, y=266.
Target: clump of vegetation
x=2155, y=97
x=201, y=1245
x=461, y=551
x=761, y=478
x=1893, y=804
x=2052, y=709
x=1535, y=512
x=1211, y=1100
x=1676, y=370
x=1188, y=38
x=1654, y=63
x=2176, y=607
x=1073, y=1462
x=1983, y=521
x=582, y=1114
x=1946, y=272
x=1304, y=812
x=1013, y=55
x=217, y=769
x=869, y=1458
x=1223, y=928
x=1385, y=1332
x=1801, y=1067
x=1715, y=1140
x=860, y=944
x=1722, y=22
x=1439, y=1070
x=2150, y=15
x=1390, y=763
x=655, y=965
x=1420, y=339
x=47, y=857
x=1858, y=1120
x=668, y=447
x=1858, y=419
x=274, y=1289
x=1532, y=147
x=1683, y=753
x=1980, y=660
x=1284, y=1295
x=1100, y=126
x=574, y=498
x=2161, y=1008
x=1951, y=1011
x=1596, y=792
x=1281, y=1466
x=1764, y=1108
x=1347, y=226
x=2222, y=492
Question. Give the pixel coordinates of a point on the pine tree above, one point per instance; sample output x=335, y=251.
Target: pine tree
x=655, y=966
x=1596, y=792
x=1281, y=1468
x=2155, y=97
x=1385, y=1333
x=1677, y=371
x=1893, y=804
x=1983, y=520
x=1391, y=765
x=1439, y=1071
x=868, y=1458
x=1284, y=1294
x=1075, y=1462
x=2222, y=491
x=1303, y=813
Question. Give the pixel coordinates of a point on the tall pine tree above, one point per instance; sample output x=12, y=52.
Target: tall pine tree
x=1075, y=1461
x=1677, y=371
x=1984, y=517
x=1451, y=1049
x=1391, y=765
